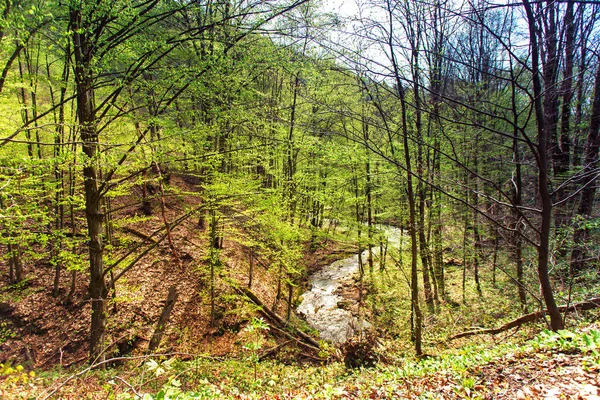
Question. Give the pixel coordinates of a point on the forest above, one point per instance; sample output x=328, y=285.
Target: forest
x=277, y=199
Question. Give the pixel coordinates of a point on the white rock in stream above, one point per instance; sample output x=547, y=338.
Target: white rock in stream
x=320, y=305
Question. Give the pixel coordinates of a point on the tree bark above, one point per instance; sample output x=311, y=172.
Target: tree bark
x=586, y=204
x=83, y=51
x=563, y=147
x=543, y=249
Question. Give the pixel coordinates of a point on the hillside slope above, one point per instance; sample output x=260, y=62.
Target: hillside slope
x=42, y=331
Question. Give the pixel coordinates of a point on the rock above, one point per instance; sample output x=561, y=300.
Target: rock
x=344, y=304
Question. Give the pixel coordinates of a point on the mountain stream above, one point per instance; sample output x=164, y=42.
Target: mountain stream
x=326, y=308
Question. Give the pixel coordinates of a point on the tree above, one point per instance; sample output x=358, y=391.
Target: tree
x=588, y=191
x=99, y=31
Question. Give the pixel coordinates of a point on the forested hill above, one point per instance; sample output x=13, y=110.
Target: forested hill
x=255, y=187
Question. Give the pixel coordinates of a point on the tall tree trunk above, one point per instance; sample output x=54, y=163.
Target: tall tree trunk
x=214, y=260
x=438, y=248
x=436, y=62
x=59, y=174
x=517, y=197
x=586, y=203
x=358, y=215
x=563, y=147
x=22, y=95
x=543, y=247
x=416, y=316
x=421, y=192
x=414, y=283
x=577, y=145
x=548, y=32
x=495, y=256
x=414, y=273
x=465, y=253
x=33, y=70
x=518, y=241
x=369, y=200
x=83, y=50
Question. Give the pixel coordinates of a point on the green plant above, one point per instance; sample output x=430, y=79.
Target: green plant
x=326, y=351
x=6, y=333
x=12, y=377
x=468, y=382
x=565, y=340
x=255, y=328
x=591, y=340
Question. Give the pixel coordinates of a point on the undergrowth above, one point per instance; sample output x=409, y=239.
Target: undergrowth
x=208, y=378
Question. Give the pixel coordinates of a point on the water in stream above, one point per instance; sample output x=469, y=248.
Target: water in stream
x=325, y=309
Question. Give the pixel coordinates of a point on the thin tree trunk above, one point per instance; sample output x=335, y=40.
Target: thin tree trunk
x=32, y=70
x=358, y=216
x=164, y=215
x=414, y=283
x=517, y=199
x=69, y=296
x=465, y=258
x=369, y=215
x=214, y=261
x=251, y=268
x=416, y=314
x=577, y=146
x=495, y=256
x=59, y=174
x=289, y=301
x=24, y=112
x=11, y=265
x=476, y=235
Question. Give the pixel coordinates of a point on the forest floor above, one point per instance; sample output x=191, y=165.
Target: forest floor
x=549, y=366
x=43, y=342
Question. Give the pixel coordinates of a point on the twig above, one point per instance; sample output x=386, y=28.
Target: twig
x=129, y=386
x=277, y=319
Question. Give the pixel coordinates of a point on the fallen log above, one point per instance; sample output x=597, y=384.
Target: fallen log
x=139, y=234
x=273, y=350
x=276, y=318
x=291, y=337
x=319, y=359
x=582, y=306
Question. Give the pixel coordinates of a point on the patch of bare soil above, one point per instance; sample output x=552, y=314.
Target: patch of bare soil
x=546, y=375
